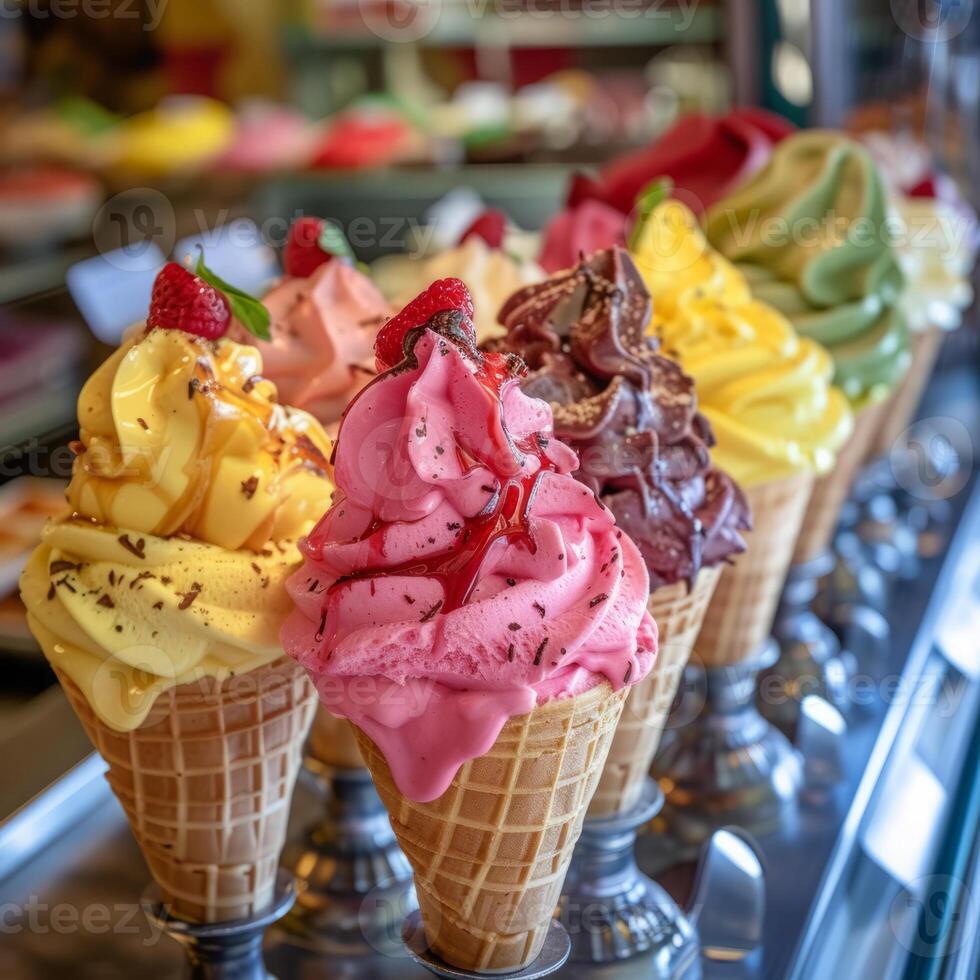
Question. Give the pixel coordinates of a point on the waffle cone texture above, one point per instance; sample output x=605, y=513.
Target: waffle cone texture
x=490, y=854
x=678, y=612
x=741, y=611
x=901, y=408
x=332, y=742
x=830, y=491
x=206, y=782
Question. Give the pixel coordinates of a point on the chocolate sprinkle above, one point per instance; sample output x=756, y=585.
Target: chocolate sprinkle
x=409, y=600
x=431, y=612
x=514, y=627
x=189, y=597
x=158, y=605
x=249, y=487
x=510, y=652
x=629, y=673
x=107, y=602
x=63, y=566
x=136, y=549
x=142, y=423
x=540, y=651
x=540, y=609
x=599, y=598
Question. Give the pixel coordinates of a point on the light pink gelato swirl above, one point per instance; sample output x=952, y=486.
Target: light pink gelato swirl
x=462, y=575
x=323, y=329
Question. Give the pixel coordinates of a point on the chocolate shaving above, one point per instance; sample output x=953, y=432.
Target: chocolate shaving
x=107, y=602
x=431, y=611
x=314, y=585
x=142, y=423
x=599, y=598
x=629, y=673
x=141, y=577
x=135, y=549
x=188, y=597
x=257, y=568
x=51, y=592
x=409, y=600
x=488, y=489
x=510, y=652
x=112, y=577
x=63, y=566
x=158, y=605
x=64, y=581
x=539, y=608
x=249, y=486
x=514, y=627
x=540, y=651
x=322, y=626
x=512, y=582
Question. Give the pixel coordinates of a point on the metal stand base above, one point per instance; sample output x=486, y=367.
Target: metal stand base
x=223, y=950
x=354, y=883
x=729, y=765
x=810, y=657
x=611, y=909
x=552, y=957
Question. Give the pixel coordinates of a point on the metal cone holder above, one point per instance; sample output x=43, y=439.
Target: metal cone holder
x=354, y=883
x=553, y=956
x=811, y=660
x=727, y=764
x=223, y=950
x=611, y=909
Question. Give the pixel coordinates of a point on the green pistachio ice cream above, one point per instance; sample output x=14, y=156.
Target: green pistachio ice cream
x=812, y=235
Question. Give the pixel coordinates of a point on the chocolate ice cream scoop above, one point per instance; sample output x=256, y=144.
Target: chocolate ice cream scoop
x=629, y=412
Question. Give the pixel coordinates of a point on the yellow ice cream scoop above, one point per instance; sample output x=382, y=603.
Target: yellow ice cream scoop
x=184, y=435
x=129, y=615
x=767, y=392
x=190, y=491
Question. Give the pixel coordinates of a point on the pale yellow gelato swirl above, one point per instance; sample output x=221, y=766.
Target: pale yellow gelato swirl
x=181, y=434
x=767, y=392
x=125, y=628
x=187, y=498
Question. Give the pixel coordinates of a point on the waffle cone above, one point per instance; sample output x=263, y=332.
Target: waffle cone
x=490, y=854
x=332, y=741
x=678, y=613
x=830, y=491
x=206, y=782
x=901, y=408
x=742, y=608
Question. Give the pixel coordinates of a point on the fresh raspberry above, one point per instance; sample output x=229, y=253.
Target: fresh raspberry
x=925, y=187
x=302, y=254
x=490, y=225
x=184, y=301
x=443, y=294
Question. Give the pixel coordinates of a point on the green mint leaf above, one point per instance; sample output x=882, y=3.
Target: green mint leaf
x=654, y=193
x=333, y=242
x=249, y=312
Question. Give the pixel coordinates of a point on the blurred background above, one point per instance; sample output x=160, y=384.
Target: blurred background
x=130, y=128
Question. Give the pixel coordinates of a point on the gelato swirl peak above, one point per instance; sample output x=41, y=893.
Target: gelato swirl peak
x=811, y=233
x=629, y=412
x=182, y=435
x=461, y=569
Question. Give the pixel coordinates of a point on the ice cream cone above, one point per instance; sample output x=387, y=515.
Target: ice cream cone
x=830, y=491
x=678, y=613
x=332, y=741
x=742, y=608
x=490, y=854
x=905, y=400
x=206, y=782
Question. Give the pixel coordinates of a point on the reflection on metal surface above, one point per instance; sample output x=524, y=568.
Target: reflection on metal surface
x=820, y=738
x=354, y=883
x=729, y=765
x=728, y=905
x=553, y=956
x=810, y=657
x=223, y=950
x=611, y=909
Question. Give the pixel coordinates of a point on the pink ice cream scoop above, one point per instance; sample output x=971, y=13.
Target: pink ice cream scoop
x=462, y=575
x=323, y=329
x=588, y=227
